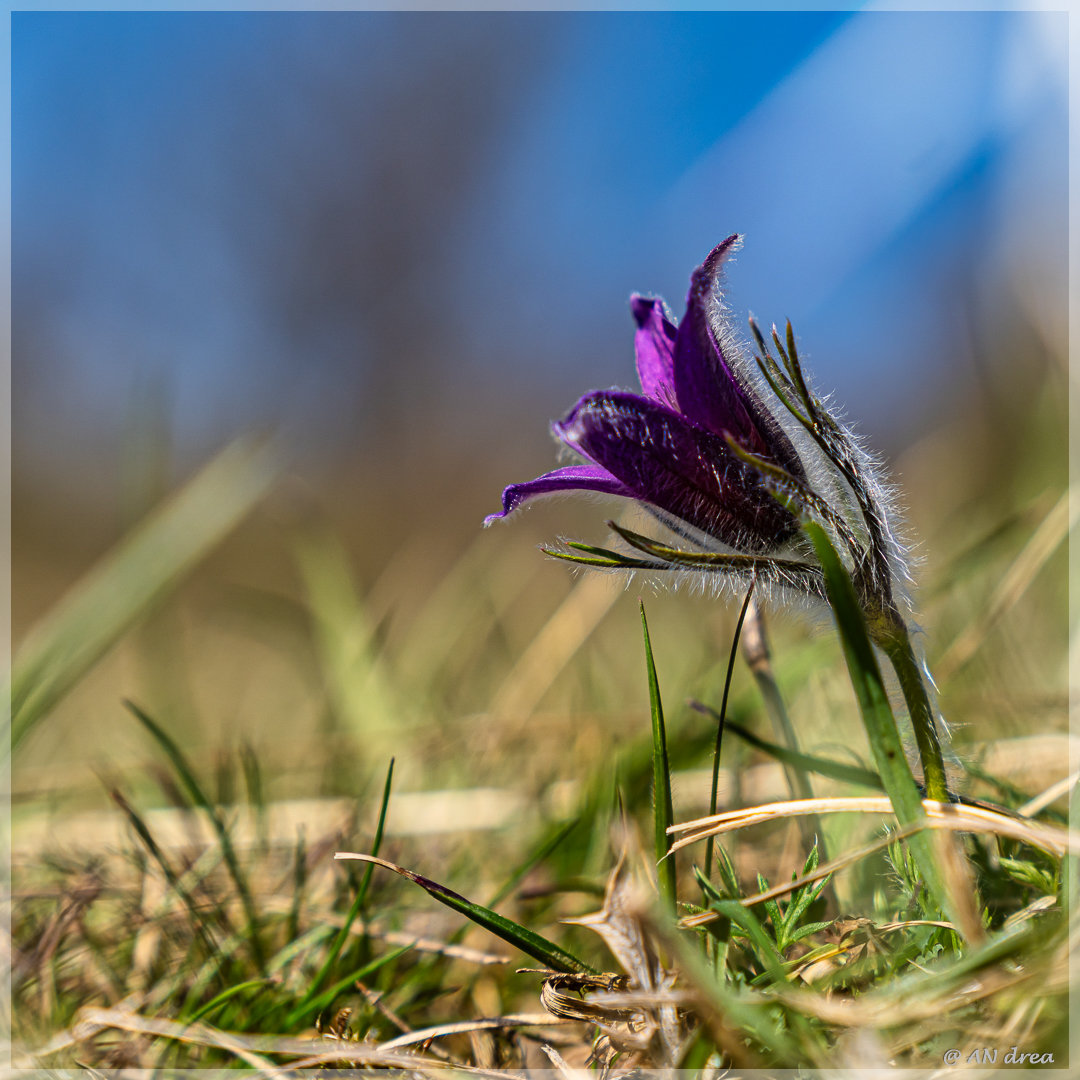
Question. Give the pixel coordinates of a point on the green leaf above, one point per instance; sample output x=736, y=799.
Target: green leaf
x=727, y=871
x=610, y=560
x=1027, y=873
x=806, y=931
x=663, y=810
x=802, y=898
x=521, y=937
x=763, y=945
x=772, y=909
x=126, y=583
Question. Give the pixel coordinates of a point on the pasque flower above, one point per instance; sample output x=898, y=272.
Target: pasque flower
x=734, y=456
x=666, y=447
x=698, y=447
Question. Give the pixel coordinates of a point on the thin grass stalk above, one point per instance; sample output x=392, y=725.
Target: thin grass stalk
x=299, y=884
x=664, y=811
x=721, y=719
x=232, y=863
x=759, y=660
x=306, y=1003
x=174, y=880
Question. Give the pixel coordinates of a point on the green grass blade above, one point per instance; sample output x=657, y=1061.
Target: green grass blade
x=223, y=997
x=326, y=998
x=721, y=720
x=762, y=944
x=876, y=712
x=663, y=810
x=541, y=852
x=299, y=885
x=124, y=585
x=834, y=770
x=307, y=1003
x=198, y=796
x=521, y=937
x=174, y=880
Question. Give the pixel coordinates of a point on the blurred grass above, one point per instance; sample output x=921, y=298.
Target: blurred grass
x=514, y=699
x=123, y=587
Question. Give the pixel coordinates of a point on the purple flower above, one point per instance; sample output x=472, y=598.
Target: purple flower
x=669, y=447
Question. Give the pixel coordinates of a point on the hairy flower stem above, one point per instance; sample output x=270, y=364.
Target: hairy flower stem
x=890, y=634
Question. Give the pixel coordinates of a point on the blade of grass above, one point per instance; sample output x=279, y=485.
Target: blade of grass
x=198, y=796
x=721, y=718
x=880, y=724
x=326, y=998
x=360, y=692
x=521, y=937
x=299, y=884
x=223, y=997
x=663, y=809
x=175, y=882
x=542, y=851
x=306, y=1003
x=834, y=770
x=138, y=572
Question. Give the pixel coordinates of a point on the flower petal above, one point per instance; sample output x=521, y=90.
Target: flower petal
x=708, y=386
x=705, y=385
x=679, y=467
x=654, y=344
x=571, y=478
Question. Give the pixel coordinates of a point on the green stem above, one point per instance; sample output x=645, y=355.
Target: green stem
x=891, y=635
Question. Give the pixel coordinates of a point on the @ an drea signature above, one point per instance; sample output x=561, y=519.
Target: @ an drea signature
x=993, y=1055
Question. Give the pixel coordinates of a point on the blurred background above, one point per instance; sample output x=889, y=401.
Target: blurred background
x=402, y=243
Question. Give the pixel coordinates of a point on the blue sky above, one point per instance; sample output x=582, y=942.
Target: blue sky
x=884, y=168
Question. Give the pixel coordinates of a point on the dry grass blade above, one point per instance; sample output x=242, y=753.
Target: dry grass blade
x=251, y=1049
x=494, y=1023
x=822, y=871
x=958, y=817
x=561, y=1066
x=917, y=1003
x=551, y=650
x=1043, y=800
x=1046, y=539
x=575, y=1005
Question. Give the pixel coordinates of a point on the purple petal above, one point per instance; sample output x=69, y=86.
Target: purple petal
x=708, y=388
x=705, y=385
x=679, y=467
x=571, y=478
x=654, y=344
